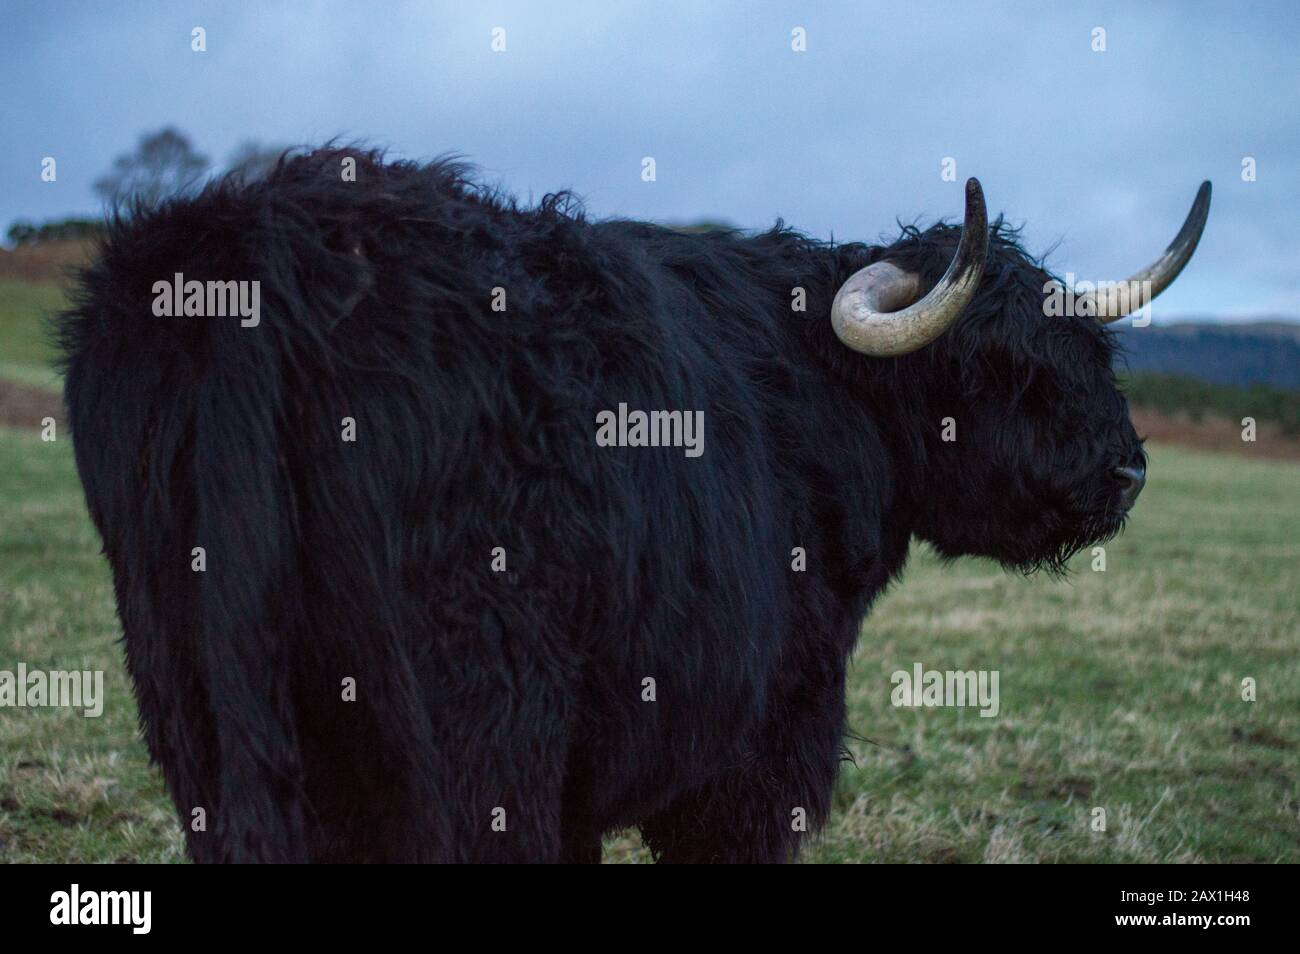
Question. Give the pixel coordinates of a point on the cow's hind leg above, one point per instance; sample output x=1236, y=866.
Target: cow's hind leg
x=499, y=697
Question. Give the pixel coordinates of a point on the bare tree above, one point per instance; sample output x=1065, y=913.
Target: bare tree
x=163, y=164
x=254, y=160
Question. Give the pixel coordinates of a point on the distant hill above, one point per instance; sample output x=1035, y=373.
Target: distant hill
x=44, y=261
x=1241, y=354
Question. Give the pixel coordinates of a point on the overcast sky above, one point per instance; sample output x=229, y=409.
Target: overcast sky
x=1098, y=153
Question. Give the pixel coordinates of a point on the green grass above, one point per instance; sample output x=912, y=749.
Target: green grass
x=1119, y=690
x=25, y=350
x=71, y=788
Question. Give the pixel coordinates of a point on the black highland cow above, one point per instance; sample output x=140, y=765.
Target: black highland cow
x=489, y=699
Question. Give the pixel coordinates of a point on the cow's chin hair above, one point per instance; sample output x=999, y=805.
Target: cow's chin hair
x=1046, y=546
x=1050, y=549
x=1073, y=519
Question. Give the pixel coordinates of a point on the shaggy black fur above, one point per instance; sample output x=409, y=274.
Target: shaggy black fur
x=523, y=690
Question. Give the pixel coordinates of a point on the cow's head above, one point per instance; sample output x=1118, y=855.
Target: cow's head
x=1017, y=440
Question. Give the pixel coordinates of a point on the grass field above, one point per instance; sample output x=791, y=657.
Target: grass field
x=24, y=344
x=1119, y=690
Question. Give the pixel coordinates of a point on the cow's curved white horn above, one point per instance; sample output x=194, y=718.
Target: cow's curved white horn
x=876, y=311
x=1113, y=303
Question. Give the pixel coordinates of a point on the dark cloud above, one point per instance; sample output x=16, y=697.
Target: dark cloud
x=1100, y=153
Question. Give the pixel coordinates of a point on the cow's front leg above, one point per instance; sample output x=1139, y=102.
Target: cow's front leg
x=763, y=810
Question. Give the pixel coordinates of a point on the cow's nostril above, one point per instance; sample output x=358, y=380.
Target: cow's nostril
x=1131, y=481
